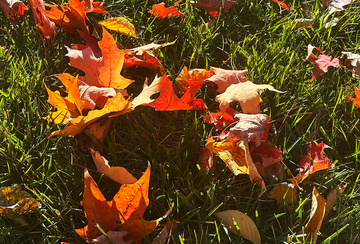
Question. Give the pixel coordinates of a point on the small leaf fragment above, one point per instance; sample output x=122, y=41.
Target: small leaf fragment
x=120, y=25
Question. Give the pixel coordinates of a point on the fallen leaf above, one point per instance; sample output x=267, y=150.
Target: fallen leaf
x=240, y=224
x=120, y=25
x=332, y=198
x=322, y=62
x=97, y=132
x=103, y=71
x=152, y=46
x=307, y=23
x=246, y=93
x=160, y=11
x=165, y=233
x=285, y=192
x=117, y=105
x=124, y=212
x=116, y=237
x=206, y=158
x=221, y=120
x=355, y=63
x=214, y=6
x=13, y=9
x=355, y=100
x=195, y=76
x=71, y=17
x=14, y=201
x=224, y=78
x=313, y=162
x=167, y=101
x=309, y=233
x=236, y=155
x=117, y=174
x=283, y=5
x=250, y=127
x=94, y=7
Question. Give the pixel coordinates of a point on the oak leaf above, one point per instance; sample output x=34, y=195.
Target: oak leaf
x=240, y=224
x=120, y=25
x=168, y=101
x=246, y=93
x=13, y=9
x=355, y=100
x=103, y=71
x=214, y=6
x=124, y=212
x=309, y=232
x=195, y=76
x=117, y=174
x=160, y=11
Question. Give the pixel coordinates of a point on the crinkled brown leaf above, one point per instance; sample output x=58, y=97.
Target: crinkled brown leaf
x=332, y=198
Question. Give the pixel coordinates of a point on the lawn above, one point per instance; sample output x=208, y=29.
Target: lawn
x=258, y=36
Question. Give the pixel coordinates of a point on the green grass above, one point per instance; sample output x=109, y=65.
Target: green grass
x=254, y=35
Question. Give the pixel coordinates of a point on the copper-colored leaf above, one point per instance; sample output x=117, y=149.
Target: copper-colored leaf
x=205, y=158
x=165, y=233
x=283, y=5
x=221, y=120
x=103, y=71
x=356, y=100
x=240, y=224
x=332, y=198
x=117, y=174
x=43, y=23
x=309, y=232
x=160, y=11
x=15, y=201
x=116, y=237
x=120, y=25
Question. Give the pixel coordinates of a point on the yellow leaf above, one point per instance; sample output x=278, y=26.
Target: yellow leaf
x=120, y=25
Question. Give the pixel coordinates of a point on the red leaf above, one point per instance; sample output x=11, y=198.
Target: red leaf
x=161, y=12
x=43, y=23
x=14, y=10
x=213, y=6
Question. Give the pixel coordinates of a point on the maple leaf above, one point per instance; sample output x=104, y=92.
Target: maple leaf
x=43, y=23
x=161, y=12
x=236, y=155
x=103, y=71
x=309, y=232
x=117, y=174
x=313, y=162
x=246, y=93
x=322, y=62
x=124, y=212
x=193, y=77
x=116, y=105
x=221, y=120
x=214, y=6
x=13, y=9
x=167, y=100
x=356, y=100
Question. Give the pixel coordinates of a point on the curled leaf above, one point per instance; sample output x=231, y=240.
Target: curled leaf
x=120, y=25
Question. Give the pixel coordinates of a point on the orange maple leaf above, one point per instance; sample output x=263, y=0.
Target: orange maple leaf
x=161, y=12
x=105, y=70
x=124, y=212
x=14, y=10
x=355, y=100
x=168, y=101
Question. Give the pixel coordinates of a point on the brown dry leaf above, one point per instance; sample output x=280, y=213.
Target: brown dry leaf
x=309, y=232
x=206, y=158
x=285, y=191
x=243, y=226
x=332, y=197
x=15, y=201
x=165, y=233
x=120, y=25
x=117, y=174
x=116, y=237
x=246, y=93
